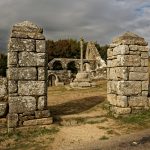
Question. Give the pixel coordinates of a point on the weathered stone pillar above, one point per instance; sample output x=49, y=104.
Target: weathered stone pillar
x=27, y=76
x=127, y=74
x=81, y=55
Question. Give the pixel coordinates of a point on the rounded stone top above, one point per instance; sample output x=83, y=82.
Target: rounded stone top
x=129, y=38
x=27, y=26
x=27, y=30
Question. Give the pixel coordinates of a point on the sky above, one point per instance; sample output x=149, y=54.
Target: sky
x=94, y=20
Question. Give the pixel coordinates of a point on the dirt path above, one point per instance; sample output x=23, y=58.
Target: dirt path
x=108, y=134
x=80, y=138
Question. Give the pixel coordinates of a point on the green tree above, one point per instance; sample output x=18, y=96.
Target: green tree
x=3, y=65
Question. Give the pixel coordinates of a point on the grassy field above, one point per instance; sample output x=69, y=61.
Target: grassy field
x=65, y=101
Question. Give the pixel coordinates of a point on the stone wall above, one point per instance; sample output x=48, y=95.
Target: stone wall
x=3, y=97
x=27, y=76
x=3, y=101
x=62, y=76
x=127, y=74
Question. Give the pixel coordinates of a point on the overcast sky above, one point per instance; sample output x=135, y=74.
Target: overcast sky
x=95, y=20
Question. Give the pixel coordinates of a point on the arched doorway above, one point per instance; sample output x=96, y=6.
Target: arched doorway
x=51, y=80
x=87, y=67
x=57, y=65
x=72, y=66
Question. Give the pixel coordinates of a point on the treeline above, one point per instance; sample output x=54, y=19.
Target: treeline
x=3, y=65
x=70, y=48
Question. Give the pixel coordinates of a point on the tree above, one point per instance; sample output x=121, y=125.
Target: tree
x=3, y=65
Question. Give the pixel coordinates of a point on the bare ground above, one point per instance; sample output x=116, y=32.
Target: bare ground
x=100, y=132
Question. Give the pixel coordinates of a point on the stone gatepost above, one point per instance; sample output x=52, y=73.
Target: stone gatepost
x=27, y=76
x=127, y=74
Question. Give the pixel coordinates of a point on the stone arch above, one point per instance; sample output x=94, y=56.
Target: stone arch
x=87, y=66
x=52, y=79
x=71, y=65
x=57, y=65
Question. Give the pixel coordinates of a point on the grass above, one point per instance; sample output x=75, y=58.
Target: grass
x=104, y=138
x=142, y=119
x=32, y=138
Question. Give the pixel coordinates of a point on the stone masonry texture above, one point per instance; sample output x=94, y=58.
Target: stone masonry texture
x=3, y=97
x=127, y=74
x=27, y=75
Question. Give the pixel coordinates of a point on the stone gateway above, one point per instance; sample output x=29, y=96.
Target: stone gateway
x=127, y=74
x=27, y=76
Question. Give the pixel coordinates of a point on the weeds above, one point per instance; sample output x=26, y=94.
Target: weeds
x=140, y=118
x=28, y=139
x=104, y=138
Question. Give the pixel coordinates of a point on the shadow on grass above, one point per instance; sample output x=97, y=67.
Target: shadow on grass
x=76, y=106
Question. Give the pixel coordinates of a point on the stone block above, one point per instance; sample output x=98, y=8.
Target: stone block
x=145, y=93
x=112, y=45
x=40, y=46
x=121, y=73
x=21, y=104
x=109, y=63
x=128, y=88
x=27, y=35
x=133, y=76
x=42, y=102
x=32, y=88
x=114, y=63
x=144, y=62
x=3, y=87
x=12, y=86
x=108, y=73
x=149, y=101
x=18, y=44
x=133, y=47
x=120, y=110
x=121, y=50
x=144, y=55
x=112, y=74
x=43, y=121
x=137, y=109
x=112, y=98
x=22, y=73
x=134, y=52
x=42, y=114
x=143, y=48
x=138, y=69
x=137, y=101
x=130, y=38
x=12, y=120
x=12, y=58
x=3, y=108
x=25, y=118
x=32, y=59
x=118, y=73
x=41, y=73
x=128, y=60
x=27, y=26
x=122, y=101
x=145, y=85
x=3, y=123
x=109, y=53
x=111, y=87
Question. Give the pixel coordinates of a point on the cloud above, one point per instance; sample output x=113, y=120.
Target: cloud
x=98, y=20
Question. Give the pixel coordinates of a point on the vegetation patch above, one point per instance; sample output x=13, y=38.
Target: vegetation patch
x=32, y=138
x=142, y=119
x=104, y=138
